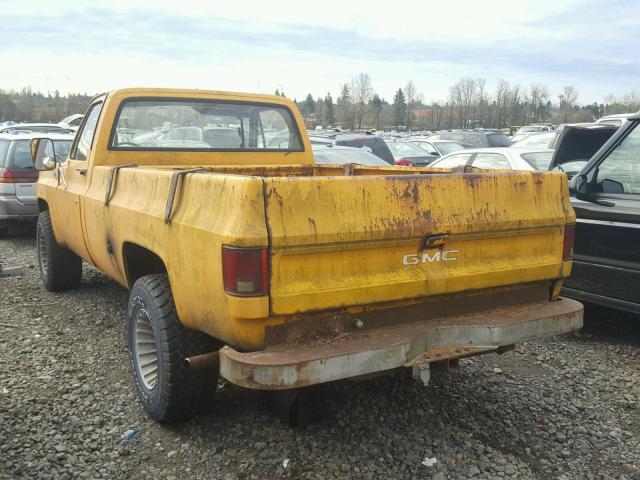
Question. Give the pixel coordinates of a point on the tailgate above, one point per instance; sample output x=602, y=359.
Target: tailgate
x=359, y=240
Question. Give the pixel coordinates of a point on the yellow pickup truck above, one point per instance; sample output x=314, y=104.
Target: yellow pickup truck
x=247, y=260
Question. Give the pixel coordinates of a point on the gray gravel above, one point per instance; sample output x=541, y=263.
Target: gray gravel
x=562, y=408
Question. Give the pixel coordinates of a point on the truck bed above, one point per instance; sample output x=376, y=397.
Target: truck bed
x=338, y=237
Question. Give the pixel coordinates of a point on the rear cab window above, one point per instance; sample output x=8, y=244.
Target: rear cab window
x=203, y=125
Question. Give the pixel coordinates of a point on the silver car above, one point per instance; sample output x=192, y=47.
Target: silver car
x=500, y=158
x=18, y=177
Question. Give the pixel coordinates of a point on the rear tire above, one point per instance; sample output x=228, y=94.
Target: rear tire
x=158, y=345
x=60, y=269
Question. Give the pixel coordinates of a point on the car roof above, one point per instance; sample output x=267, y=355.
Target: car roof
x=29, y=135
x=618, y=115
x=508, y=150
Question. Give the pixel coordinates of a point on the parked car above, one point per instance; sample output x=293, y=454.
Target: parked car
x=501, y=158
x=616, y=120
x=575, y=144
x=18, y=177
x=536, y=140
x=437, y=148
x=535, y=128
x=36, y=127
x=606, y=199
x=477, y=139
x=72, y=121
x=373, y=142
x=337, y=155
x=407, y=154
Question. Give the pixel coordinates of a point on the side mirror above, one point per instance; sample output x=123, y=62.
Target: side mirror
x=43, y=154
x=579, y=186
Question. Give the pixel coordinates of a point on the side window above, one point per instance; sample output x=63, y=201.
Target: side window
x=490, y=160
x=457, y=160
x=85, y=135
x=620, y=171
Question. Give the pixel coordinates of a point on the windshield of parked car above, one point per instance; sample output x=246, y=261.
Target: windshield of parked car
x=406, y=150
x=445, y=148
x=20, y=154
x=342, y=156
x=204, y=125
x=498, y=140
x=538, y=160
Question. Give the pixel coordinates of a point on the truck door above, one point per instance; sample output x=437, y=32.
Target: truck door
x=607, y=248
x=72, y=183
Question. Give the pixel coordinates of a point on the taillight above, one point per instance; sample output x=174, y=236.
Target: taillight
x=569, y=238
x=245, y=271
x=10, y=176
x=403, y=162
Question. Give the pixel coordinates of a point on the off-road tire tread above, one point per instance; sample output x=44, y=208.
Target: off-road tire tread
x=184, y=393
x=64, y=266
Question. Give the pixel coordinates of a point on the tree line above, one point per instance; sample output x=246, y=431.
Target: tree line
x=470, y=104
x=25, y=105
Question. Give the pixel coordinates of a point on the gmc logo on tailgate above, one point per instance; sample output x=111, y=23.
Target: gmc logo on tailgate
x=426, y=257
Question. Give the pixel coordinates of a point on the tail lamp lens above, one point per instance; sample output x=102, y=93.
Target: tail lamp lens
x=245, y=271
x=11, y=176
x=403, y=162
x=569, y=238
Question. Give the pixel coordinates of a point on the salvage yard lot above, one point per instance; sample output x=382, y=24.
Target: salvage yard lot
x=564, y=407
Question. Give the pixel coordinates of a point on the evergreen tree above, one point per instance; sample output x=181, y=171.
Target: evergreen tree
x=376, y=106
x=309, y=105
x=329, y=111
x=399, y=108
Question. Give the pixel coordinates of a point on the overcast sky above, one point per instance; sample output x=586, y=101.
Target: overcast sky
x=314, y=47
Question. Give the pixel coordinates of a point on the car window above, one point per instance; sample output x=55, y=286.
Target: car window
x=498, y=140
x=490, y=160
x=20, y=156
x=85, y=136
x=340, y=157
x=620, y=171
x=406, y=150
x=538, y=160
x=616, y=122
x=474, y=140
x=457, y=160
x=4, y=146
x=446, y=148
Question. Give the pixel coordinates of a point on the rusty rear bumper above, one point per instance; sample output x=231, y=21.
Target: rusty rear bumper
x=302, y=364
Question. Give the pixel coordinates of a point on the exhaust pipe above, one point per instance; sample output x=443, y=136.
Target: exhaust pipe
x=203, y=362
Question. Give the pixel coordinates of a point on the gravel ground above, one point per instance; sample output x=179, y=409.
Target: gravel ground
x=561, y=408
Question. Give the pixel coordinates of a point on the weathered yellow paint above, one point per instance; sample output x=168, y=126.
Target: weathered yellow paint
x=335, y=241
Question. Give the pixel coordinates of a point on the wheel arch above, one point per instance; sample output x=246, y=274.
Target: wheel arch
x=140, y=261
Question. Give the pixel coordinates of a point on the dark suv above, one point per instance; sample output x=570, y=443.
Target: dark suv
x=606, y=199
x=477, y=139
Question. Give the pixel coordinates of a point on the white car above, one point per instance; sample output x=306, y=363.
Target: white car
x=499, y=158
x=537, y=140
x=616, y=120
